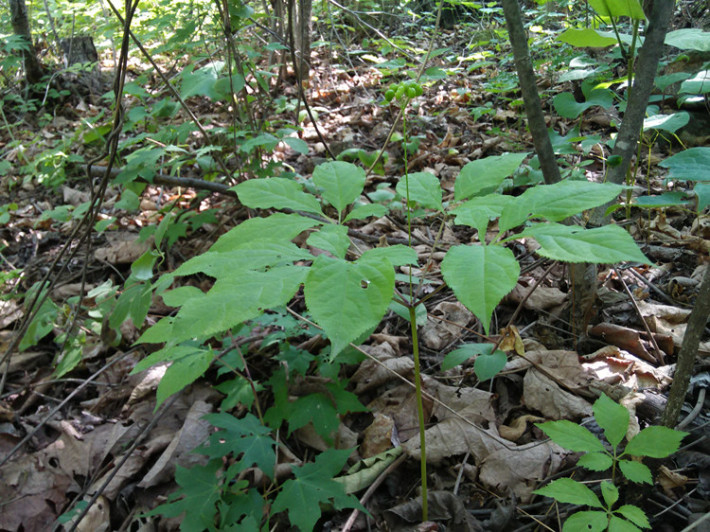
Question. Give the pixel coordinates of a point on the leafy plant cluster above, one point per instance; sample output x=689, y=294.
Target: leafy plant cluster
x=651, y=442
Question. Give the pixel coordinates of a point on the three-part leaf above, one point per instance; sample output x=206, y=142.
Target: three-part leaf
x=341, y=182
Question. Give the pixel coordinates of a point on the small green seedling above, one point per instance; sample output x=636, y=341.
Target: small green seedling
x=653, y=442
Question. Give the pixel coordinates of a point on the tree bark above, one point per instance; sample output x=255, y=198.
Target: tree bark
x=21, y=26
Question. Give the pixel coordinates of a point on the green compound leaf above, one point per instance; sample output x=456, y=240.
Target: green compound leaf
x=278, y=193
x=603, y=245
x=278, y=227
x=571, y=436
x=616, y=524
x=424, y=189
x=655, y=442
x=247, y=438
x=463, y=353
x=477, y=212
x=636, y=471
x=612, y=417
x=234, y=300
x=570, y=491
x=341, y=182
x=484, y=176
x=634, y=514
x=587, y=521
x=480, y=276
x=610, y=493
x=331, y=238
x=348, y=298
x=365, y=211
x=692, y=164
x=595, y=461
x=313, y=485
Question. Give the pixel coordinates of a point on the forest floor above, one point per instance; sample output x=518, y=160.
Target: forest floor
x=68, y=435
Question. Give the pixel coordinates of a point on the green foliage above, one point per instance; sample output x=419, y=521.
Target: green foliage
x=653, y=442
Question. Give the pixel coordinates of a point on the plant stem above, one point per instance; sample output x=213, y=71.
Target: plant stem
x=420, y=410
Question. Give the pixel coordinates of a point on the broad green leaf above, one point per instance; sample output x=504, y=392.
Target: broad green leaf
x=612, y=417
x=618, y=8
x=41, y=325
x=698, y=84
x=313, y=485
x=397, y=255
x=636, y=471
x=571, y=436
x=655, y=442
x=296, y=144
x=595, y=461
x=223, y=88
x=603, y=245
x=570, y=491
x=424, y=189
x=278, y=227
x=317, y=409
x=484, y=176
x=365, y=211
x=585, y=38
x=70, y=359
x=250, y=256
x=689, y=39
x=692, y=164
x=463, y=353
x=480, y=276
x=403, y=312
x=610, y=493
x=670, y=123
x=665, y=199
x=634, y=514
x=276, y=192
x=201, y=82
x=702, y=192
x=182, y=372
x=568, y=107
x=158, y=333
x=616, y=524
x=348, y=298
x=247, y=438
x=331, y=238
x=233, y=300
x=488, y=366
x=341, y=182
x=477, y=212
x=267, y=140
x=587, y=521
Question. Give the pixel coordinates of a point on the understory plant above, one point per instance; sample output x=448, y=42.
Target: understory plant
x=651, y=442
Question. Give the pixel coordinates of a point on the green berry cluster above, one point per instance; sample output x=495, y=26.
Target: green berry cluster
x=403, y=91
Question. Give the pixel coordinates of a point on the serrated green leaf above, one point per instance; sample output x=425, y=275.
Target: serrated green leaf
x=692, y=164
x=480, y=276
x=247, y=438
x=618, y=8
x=617, y=524
x=366, y=211
x=587, y=521
x=655, y=442
x=183, y=371
x=397, y=255
x=610, y=493
x=571, y=436
x=488, y=366
x=278, y=227
x=603, y=245
x=424, y=189
x=595, y=461
x=567, y=107
x=341, y=182
x=233, y=300
x=612, y=417
x=348, y=298
x=585, y=38
x=314, y=408
x=477, y=212
x=570, y=491
x=634, y=514
x=636, y=471
x=314, y=484
x=484, y=176
x=463, y=353
x=331, y=238
x=278, y=193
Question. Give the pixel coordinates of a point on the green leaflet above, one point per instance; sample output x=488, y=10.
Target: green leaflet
x=276, y=192
x=424, y=189
x=480, y=276
x=341, y=182
x=483, y=176
x=278, y=227
x=348, y=298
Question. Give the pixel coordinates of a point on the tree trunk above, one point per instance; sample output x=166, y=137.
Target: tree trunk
x=21, y=27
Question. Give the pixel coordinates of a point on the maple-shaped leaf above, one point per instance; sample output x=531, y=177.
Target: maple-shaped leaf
x=314, y=484
x=246, y=438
